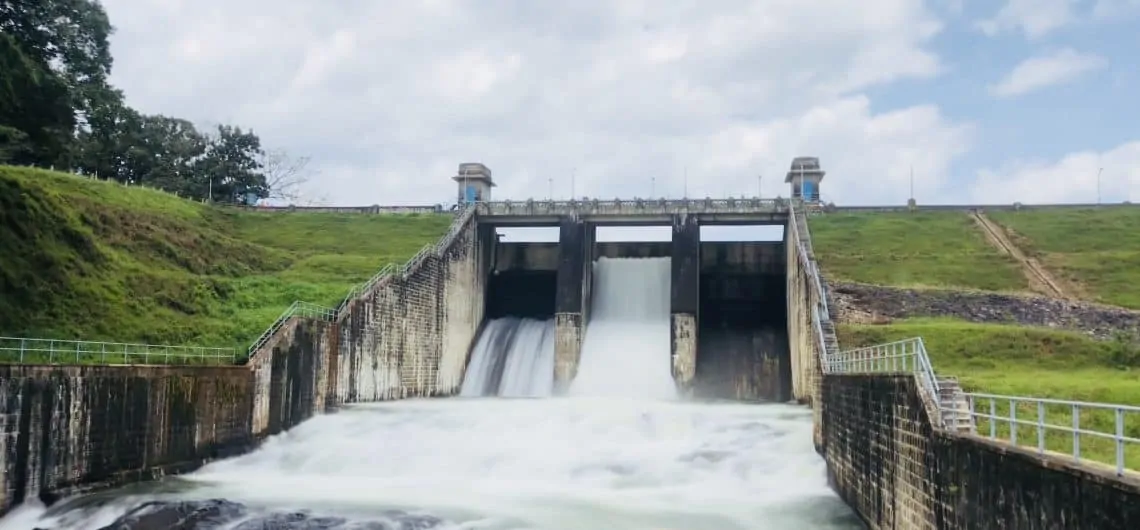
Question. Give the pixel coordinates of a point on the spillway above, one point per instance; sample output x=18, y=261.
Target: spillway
x=626, y=348
x=513, y=357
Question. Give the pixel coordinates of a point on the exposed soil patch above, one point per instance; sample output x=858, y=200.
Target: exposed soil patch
x=854, y=303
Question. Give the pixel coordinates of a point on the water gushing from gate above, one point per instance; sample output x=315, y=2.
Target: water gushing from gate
x=514, y=357
x=626, y=348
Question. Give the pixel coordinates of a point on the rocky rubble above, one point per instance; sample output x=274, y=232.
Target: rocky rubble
x=870, y=304
x=218, y=514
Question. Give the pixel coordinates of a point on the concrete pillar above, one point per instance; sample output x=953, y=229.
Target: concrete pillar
x=568, y=301
x=685, y=298
x=589, y=254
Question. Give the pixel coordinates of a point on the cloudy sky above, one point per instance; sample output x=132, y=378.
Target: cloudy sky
x=990, y=101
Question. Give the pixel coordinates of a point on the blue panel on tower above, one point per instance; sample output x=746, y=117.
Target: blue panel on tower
x=808, y=191
x=469, y=194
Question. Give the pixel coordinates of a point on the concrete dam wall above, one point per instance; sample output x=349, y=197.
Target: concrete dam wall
x=890, y=462
x=409, y=334
x=70, y=428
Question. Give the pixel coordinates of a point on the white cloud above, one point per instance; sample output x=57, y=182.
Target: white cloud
x=1072, y=179
x=1035, y=73
x=389, y=97
x=1035, y=18
x=1115, y=9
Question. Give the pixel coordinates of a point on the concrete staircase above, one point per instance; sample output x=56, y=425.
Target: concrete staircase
x=955, y=407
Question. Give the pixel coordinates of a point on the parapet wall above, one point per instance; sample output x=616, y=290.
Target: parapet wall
x=71, y=428
x=888, y=461
x=409, y=334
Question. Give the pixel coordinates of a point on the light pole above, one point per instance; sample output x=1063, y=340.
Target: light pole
x=550, y=187
x=759, y=186
x=652, y=187
x=1098, y=172
x=573, y=176
x=685, y=190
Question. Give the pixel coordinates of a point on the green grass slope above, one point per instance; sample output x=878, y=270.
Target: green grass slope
x=1095, y=249
x=920, y=249
x=92, y=260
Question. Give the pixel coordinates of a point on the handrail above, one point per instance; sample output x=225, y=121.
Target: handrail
x=390, y=270
x=708, y=203
x=26, y=350
x=297, y=309
x=1003, y=423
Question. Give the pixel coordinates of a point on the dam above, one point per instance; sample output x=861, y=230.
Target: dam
x=680, y=383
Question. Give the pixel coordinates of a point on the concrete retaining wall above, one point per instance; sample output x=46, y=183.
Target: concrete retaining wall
x=291, y=371
x=410, y=334
x=71, y=428
x=887, y=460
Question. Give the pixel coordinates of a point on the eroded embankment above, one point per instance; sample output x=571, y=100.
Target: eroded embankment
x=855, y=303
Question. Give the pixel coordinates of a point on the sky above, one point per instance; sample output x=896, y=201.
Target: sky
x=982, y=101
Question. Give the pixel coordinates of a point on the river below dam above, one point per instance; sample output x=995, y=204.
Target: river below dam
x=499, y=464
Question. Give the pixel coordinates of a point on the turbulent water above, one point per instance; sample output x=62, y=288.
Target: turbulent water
x=572, y=463
x=621, y=453
x=626, y=348
x=513, y=357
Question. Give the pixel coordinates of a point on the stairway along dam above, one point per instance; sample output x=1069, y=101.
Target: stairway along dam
x=682, y=382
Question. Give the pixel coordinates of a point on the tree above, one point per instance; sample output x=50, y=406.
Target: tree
x=69, y=37
x=36, y=117
x=286, y=176
x=231, y=166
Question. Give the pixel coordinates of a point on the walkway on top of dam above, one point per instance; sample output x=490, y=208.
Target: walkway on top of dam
x=633, y=211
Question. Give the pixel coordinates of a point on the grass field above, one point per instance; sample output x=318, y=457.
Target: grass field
x=1095, y=249
x=1019, y=361
x=920, y=249
x=85, y=259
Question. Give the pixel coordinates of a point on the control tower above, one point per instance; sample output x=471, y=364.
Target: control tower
x=474, y=182
x=804, y=176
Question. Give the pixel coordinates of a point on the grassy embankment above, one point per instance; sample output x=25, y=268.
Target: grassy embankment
x=1095, y=249
x=947, y=250
x=91, y=260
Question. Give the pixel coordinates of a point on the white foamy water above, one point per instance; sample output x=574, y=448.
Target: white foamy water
x=626, y=349
x=550, y=464
x=513, y=357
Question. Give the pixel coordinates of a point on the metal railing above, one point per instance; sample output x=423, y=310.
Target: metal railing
x=297, y=309
x=630, y=206
x=803, y=234
x=392, y=269
x=50, y=351
x=309, y=310
x=1097, y=432
x=899, y=357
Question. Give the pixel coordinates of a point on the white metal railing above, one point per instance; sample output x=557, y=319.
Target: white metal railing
x=50, y=351
x=297, y=309
x=899, y=357
x=391, y=269
x=803, y=234
x=1110, y=433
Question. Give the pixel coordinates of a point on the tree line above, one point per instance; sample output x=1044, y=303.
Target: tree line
x=58, y=109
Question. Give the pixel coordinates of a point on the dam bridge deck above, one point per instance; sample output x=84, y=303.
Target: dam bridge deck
x=631, y=212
